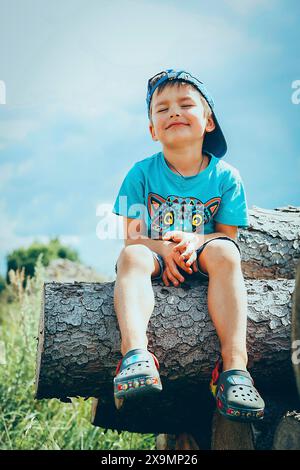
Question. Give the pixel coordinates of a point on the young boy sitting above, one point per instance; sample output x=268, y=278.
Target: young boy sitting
x=190, y=205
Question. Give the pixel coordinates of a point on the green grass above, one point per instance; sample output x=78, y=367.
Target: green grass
x=26, y=423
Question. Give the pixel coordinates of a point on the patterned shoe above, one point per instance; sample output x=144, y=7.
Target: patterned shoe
x=236, y=397
x=136, y=374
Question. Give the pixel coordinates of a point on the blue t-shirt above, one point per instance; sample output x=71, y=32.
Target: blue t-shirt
x=168, y=201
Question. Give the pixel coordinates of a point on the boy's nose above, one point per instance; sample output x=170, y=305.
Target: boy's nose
x=172, y=113
x=174, y=109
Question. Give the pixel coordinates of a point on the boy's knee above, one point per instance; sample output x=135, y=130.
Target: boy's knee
x=218, y=252
x=136, y=255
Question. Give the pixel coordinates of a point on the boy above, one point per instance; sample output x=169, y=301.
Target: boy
x=180, y=193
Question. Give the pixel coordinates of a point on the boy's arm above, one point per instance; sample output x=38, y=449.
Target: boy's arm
x=221, y=230
x=135, y=233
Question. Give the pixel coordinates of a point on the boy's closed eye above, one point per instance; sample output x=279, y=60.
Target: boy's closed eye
x=185, y=106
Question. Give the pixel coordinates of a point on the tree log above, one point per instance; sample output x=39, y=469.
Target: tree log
x=287, y=435
x=226, y=435
x=229, y=435
x=80, y=340
x=79, y=343
x=270, y=245
x=79, y=346
x=296, y=330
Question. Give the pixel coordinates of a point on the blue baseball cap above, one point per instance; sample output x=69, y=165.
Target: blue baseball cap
x=214, y=142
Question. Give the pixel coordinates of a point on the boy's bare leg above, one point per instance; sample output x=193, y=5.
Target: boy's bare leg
x=134, y=296
x=227, y=301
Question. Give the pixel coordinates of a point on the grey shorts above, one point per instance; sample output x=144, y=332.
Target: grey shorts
x=199, y=273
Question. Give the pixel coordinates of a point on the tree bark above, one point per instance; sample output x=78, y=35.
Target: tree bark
x=296, y=330
x=270, y=245
x=79, y=343
x=79, y=348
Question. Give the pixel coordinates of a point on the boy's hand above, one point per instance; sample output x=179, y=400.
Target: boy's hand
x=187, y=246
x=172, y=260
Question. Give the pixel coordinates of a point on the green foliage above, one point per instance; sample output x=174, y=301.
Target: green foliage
x=27, y=257
x=2, y=283
x=26, y=423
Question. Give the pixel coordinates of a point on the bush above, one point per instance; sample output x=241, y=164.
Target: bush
x=27, y=257
x=2, y=283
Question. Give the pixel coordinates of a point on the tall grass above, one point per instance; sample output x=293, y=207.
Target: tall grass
x=26, y=423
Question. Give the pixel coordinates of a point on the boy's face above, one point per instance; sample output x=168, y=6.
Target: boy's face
x=178, y=104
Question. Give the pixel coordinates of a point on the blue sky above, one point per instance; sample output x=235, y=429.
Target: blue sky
x=75, y=116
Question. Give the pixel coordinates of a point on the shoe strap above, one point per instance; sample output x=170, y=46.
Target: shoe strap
x=236, y=377
x=134, y=356
x=242, y=374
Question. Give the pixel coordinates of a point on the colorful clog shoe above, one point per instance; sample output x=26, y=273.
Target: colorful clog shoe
x=236, y=397
x=136, y=374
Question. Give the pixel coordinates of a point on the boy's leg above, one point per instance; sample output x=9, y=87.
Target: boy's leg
x=134, y=296
x=227, y=300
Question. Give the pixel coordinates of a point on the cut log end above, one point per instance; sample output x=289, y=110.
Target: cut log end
x=287, y=435
x=230, y=435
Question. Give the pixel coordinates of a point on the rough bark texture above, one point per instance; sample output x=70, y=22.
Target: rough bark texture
x=79, y=343
x=80, y=339
x=296, y=329
x=270, y=245
x=80, y=347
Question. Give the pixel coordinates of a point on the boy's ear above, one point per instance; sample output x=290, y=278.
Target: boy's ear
x=152, y=131
x=210, y=125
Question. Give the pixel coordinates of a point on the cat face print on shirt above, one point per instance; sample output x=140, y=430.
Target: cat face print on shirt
x=188, y=214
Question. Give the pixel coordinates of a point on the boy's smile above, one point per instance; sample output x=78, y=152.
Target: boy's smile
x=176, y=124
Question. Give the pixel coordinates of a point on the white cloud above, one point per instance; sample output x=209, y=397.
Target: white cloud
x=99, y=63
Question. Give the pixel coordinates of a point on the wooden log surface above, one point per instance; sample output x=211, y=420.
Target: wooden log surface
x=226, y=435
x=229, y=435
x=287, y=435
x=79, y=339
x=271, y=244
x=80, y=346
x=296, y=329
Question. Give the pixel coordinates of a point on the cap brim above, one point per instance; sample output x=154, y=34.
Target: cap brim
x=214, y=142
